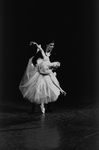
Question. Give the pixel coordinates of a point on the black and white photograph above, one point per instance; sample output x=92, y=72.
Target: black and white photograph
x=49, y=78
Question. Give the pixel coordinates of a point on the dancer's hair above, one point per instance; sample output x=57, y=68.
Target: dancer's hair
x=49, y=47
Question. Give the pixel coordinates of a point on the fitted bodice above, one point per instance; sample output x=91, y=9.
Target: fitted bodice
x=43, y=66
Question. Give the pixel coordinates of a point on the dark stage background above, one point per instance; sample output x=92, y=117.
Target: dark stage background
x=73, y=25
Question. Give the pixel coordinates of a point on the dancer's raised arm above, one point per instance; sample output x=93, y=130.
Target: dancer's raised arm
x=39, y=48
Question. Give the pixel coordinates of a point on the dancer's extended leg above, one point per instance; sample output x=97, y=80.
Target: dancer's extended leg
x=42, y=108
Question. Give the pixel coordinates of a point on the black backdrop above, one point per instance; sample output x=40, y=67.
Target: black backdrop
x=71, y=24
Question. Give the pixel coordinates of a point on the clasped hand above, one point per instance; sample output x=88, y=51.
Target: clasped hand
x=57, y=64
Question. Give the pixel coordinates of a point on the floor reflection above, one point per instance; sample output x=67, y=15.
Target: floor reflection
x=62, y=130
x=40, y=134
x=44, y=137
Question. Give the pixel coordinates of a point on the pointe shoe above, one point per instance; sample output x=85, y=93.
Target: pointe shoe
x=43, y=110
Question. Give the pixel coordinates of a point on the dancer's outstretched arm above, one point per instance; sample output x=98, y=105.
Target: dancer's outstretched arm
x=62, y=91
x=39, y=48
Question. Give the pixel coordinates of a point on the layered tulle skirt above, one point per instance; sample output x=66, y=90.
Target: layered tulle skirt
x=41, y=88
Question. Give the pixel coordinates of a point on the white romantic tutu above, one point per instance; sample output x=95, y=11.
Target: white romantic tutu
x=40, y=88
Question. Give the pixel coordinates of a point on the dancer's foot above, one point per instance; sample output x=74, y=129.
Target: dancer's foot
x=42, y=108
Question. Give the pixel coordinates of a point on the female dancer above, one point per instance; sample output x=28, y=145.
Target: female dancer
x=40, y=84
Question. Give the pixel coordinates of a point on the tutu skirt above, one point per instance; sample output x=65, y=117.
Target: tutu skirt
x=41, y=88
